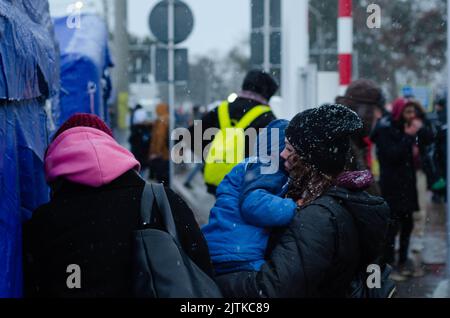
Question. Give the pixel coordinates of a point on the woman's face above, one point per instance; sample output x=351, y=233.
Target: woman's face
x=289, y=155
x=409, y=114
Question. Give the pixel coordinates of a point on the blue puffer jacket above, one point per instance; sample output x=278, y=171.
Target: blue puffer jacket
x=249, y=203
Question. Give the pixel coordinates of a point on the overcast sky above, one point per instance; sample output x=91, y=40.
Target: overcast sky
x=219, y=24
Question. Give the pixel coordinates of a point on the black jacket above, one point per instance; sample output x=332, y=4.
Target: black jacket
x=397, y=170
x=92, y=227
x=237, y=110
x=321, y=250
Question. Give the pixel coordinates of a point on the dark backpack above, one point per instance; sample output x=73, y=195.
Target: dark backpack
x=161, y=268
x=358, y=287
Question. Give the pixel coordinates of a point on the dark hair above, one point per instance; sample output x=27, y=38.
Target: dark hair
x=308, y=183
x=260, y=82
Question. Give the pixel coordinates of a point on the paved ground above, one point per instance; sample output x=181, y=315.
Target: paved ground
x=196, y=197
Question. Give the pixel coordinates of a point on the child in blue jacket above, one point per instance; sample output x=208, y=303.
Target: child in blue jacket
x=250, y=202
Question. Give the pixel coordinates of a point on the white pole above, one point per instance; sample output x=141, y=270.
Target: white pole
x=448, y=147
x=267, y=35
x=295, y=56
x=171, y=48
x=121, y=47
x=345, y=44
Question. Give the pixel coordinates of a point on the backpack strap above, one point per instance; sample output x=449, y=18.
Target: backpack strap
x=329, y=203
x=246, y=120
x=251, y=116
x=166, y=212
x=147, y=200
x=152, y=192
x=224, y=116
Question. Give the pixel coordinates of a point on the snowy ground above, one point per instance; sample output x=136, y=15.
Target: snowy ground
x=196, y=197
x=428, y=250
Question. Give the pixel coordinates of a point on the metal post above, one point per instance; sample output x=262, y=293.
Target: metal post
x=121, y=47
x=345, y=44
x=319, y=37
x=171, y=48
x=153, y=63
x=448, y=147
x=106, y=13
x=267, y=35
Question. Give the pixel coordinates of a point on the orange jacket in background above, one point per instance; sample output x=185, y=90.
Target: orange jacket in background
x=160, y=133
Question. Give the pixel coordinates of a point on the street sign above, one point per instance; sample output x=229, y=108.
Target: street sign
x=423, y=94
x=162, y=65
x=184, y=21
x=265, y=40
x=171, y=22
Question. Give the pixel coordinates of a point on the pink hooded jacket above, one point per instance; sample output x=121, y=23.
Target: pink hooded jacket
x=87, y=156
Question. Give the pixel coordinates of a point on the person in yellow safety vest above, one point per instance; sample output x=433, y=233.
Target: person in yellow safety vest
x=249, y=110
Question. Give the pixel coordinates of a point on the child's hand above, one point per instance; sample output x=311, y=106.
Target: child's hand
x=300, y=202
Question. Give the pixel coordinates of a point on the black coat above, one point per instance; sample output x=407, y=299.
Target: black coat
x=92, y=227
x=237, y=110
x=319, y=253
x=397, y=171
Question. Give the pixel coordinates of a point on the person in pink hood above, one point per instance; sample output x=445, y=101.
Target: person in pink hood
x=94, y=208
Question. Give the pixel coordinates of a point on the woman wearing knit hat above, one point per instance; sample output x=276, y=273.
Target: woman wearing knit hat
x=94, y=209
x=338, y=229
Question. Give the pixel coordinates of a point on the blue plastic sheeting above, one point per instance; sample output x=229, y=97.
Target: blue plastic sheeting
x=22, y=184
x=27, y=52
x=28, y=76
x=84, y=59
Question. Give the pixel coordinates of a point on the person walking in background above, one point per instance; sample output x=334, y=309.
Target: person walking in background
x=159, y=146
x=439, y=123
x=366, y=99
x=140, y=135
x=198, y=112
x=395, y=137
x=426, y=144
x=250, y=109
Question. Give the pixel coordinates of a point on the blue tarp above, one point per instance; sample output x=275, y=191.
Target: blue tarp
x=84, y=59
x=28, y=77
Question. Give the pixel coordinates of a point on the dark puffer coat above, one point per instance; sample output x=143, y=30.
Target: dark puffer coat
x=92, y=227
x=321, y=250
x=397, y=171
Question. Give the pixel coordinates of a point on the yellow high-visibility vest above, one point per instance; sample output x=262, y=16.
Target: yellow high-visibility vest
x=228, y=146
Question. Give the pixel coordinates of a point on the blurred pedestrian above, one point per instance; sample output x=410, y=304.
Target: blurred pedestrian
x=396, y=140
x=140, y=135
x=94, y=209
x=439, y=121
x=249, y=110
x=426, y=143
x=366, y=99
x=159, y=146
x=198, y=112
